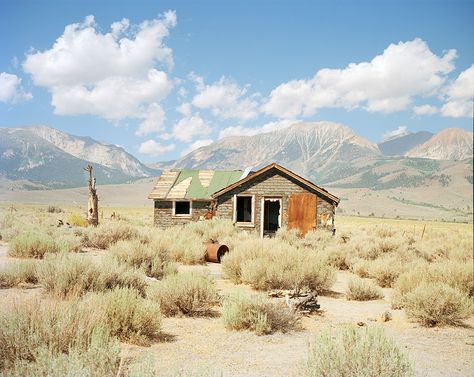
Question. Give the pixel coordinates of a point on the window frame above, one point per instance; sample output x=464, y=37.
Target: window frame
x=181, y=215
x=250, y=223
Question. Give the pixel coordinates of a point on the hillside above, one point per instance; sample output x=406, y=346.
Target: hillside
x=44, y=157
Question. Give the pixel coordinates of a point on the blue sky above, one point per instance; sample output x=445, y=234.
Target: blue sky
x=163, y=77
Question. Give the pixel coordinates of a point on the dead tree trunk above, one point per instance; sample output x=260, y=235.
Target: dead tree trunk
x=93, y=204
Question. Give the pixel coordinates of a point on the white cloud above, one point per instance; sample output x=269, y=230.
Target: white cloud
x=196, y=145
x=184, y=108
x=153, y=122
x=425, y=110
x=112, y=75
x=152, y=148
x=460, y=94
x=250, y=131
x=385, y=84
x=400, y=131
x=189, y=127
x=11, y=90
x=225, y=98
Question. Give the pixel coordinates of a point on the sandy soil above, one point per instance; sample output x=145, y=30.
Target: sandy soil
x=204, y=346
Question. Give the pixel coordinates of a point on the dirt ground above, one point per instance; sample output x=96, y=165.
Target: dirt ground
x=205, y=347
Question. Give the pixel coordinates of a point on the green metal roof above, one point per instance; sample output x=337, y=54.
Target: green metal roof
x=193, y=184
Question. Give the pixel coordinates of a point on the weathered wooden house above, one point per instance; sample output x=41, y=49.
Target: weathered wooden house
x=261, y=201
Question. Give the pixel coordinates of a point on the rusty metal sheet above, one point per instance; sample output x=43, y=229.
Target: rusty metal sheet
x=302, y=209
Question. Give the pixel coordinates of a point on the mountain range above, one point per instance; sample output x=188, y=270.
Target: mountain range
x=43, y=157
x=328, y=153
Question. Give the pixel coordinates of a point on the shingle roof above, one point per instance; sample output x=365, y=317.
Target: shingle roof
x=192, y=184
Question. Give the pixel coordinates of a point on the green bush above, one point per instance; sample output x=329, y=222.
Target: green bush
x=32, y=245
x=76, y=219
x=356, y=352
x=55, y=339
x=187, y=293
x=66, y=276
x=18, y=272
x=146, y=257
x=272, y=264
x=108, y=233
x=127, y=315
x=257, y=313
x=362, y=290
x=434, y=304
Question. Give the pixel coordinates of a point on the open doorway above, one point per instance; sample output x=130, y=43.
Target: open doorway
x=271, y=216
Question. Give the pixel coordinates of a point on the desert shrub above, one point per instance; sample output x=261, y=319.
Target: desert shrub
x=55, y=339
x=142, y=256
x=337, y=257
x=257, y=313
x=69, y=243
x=75, y=219
x=434, y=304
x=457, y=275
x=32, y=245
x=289, y=236
x=362, y=290
x=108, y=233
x=356, y=352
x=273, y=264
x=385, y=271
x=214, y=229
x=187, y=293
x=68, y=276
x=54, y=209
x=179, y=245
x=18, y=272
x=360, y=267
x=127, y=315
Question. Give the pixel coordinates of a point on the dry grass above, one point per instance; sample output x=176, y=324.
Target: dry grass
x=32, y=245
x=108, y=233
x=187, y=293
x=127, y=315
x=257, y=313
x=273, y=264
x=55, y=339
x=148, y=257
x=434, y=304
x=356, y=353
x=362, y=290
x=67, y=276
x=18, y=272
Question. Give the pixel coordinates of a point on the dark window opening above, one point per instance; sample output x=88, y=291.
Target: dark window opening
x=244, y=209
x=182, y=208
x=271, y=216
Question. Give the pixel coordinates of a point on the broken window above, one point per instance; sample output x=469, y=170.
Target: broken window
x=182, y=208
x=244, y=209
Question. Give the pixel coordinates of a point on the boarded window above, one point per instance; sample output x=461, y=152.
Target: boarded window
x=244, y=209
x=182, y=208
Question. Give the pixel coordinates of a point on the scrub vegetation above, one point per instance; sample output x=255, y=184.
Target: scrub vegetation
x=96, y=289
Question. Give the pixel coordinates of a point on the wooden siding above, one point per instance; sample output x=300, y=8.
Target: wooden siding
x=269, y=184
x=163, y=217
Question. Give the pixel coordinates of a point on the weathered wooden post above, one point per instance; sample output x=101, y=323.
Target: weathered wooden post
x=93, y=204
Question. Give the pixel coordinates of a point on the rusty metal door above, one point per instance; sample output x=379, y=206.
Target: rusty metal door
x=302, y=212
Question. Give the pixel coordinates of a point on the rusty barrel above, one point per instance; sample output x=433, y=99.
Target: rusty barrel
x=215, y=251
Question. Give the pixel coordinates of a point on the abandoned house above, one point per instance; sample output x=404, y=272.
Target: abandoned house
x=261, y=201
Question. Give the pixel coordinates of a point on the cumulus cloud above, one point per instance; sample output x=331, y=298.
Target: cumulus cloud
x=225, y=98
x=113, y=75
x=11, y=90
x=153, y=148
x=400, y=131
x=425, y=110
x=250, y=131
x=460, y=95
x=196, y=145
x=189, y=127
x=385, y=84
x=153, y=122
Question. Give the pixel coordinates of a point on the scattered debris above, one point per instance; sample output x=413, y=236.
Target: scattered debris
x=303, y=302
x=385, y=316
x=361, y=324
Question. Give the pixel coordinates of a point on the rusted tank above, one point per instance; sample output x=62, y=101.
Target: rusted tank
x=215, y=251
